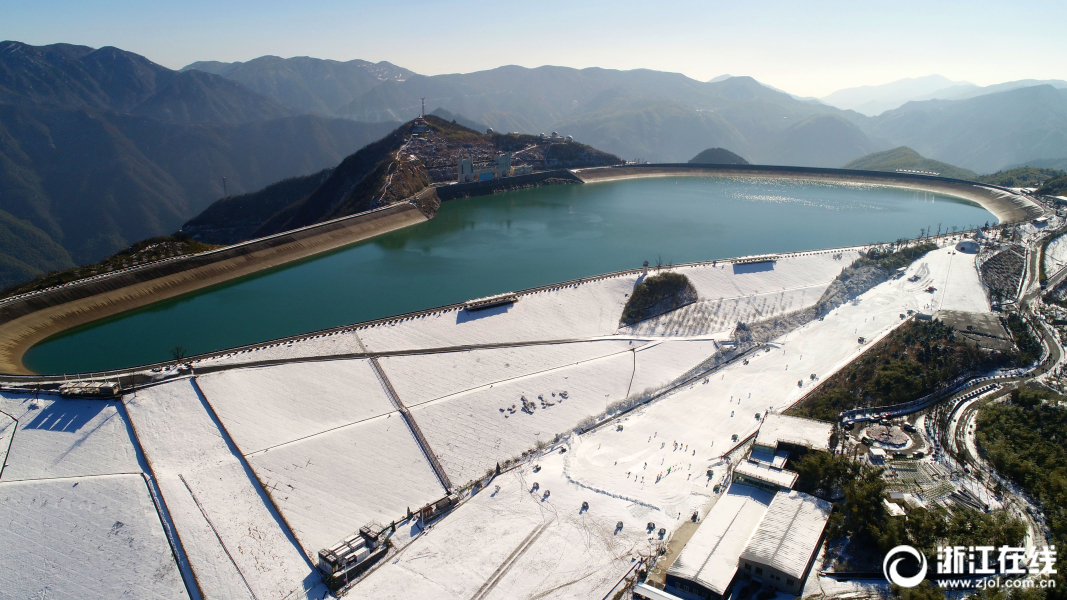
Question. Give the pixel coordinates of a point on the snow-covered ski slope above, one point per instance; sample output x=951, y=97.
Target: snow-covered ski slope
x=675, y=439
x=84, y=537
x=237, y=544
x=262, y=466
x=78, y=518
x=517, y=543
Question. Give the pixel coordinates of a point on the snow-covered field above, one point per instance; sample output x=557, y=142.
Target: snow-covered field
x=329, y=485
x=65, y=438
x=660, y=363
x=266, y=406
x=1056, y=255
x=472, y=553
x=419, y=378
x=236, y=542
x=84, y=537
x=705, y=416
x=470, y=432
x=512, y=543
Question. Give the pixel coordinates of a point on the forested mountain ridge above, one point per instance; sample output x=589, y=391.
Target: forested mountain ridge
x=100, y=148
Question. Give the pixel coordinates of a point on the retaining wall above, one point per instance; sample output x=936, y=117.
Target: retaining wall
x=1005, y=204
x=31, y=319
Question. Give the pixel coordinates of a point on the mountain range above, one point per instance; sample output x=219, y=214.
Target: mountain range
x=100, y=147
x=873, y=100
x=668, y=117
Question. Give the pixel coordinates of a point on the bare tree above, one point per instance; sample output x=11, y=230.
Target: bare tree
x=178, y=352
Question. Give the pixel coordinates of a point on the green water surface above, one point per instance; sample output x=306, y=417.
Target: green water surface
x=505, y=242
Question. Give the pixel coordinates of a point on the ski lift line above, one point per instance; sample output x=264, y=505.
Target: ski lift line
x=218, y=537
x=176, y=548
x=10, y=441
x=413, y=426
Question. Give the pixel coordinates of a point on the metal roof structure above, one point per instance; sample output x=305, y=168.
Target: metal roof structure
x=765, y=472
x=798, y=431
x=789, y=534
x=710, y=557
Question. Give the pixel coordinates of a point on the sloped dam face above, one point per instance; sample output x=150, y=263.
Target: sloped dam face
x=505, y=242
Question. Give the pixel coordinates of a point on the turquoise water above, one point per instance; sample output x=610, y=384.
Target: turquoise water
x=482, y=246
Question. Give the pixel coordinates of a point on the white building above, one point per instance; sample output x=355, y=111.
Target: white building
x=469, y=171
x=770, y=538
x=764, y=475
x=706, y=566
x=779, y=432
x=785, y=543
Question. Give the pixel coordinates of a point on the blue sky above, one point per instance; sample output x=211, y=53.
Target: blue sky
x=806, y=48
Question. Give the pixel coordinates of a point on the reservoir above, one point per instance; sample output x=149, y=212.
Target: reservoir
x=507, y=242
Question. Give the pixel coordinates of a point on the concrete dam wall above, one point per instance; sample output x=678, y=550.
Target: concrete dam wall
x=1006, y=205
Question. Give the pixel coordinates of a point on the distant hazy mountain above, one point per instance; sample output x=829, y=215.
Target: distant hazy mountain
x=657, y=116
x=965, y=91
x=904, y=158
x=102, y=148
x=984, y=134
x=873, y=100
x=79, y=77
x=306, y=84
x=717, y=156
x=460, y=120
x=1047, y=163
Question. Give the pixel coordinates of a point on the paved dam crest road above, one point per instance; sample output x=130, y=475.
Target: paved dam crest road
x=516, y=240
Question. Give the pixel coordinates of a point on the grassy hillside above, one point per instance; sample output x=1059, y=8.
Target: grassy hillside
x=717, y=156
x=27, y=252
x=236, y=218
x=907, y=159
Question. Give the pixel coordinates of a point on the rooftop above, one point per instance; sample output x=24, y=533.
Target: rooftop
x=766, y=472
x=710, y=557
x=798, y=431
x=789, y=534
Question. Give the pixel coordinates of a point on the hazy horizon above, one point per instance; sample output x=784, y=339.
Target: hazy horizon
x=807, y=50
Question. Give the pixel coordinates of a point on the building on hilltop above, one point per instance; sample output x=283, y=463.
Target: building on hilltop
x=469, y=171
